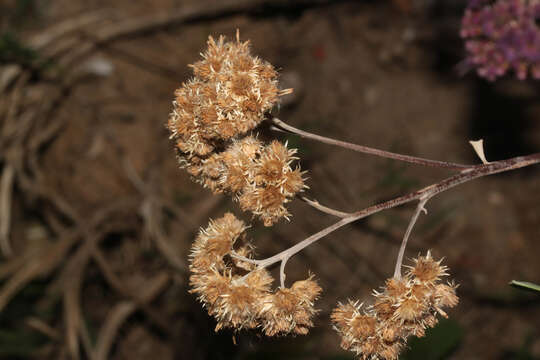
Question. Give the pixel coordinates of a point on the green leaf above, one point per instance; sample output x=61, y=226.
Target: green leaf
x=525, y=285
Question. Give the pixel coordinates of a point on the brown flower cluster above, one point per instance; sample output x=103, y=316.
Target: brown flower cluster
x=212, y=115
x=237, y=293
x=404, y=307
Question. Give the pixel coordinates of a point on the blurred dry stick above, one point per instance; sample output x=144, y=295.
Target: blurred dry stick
x=129, y=292
x=6, y=188
x=121, y=311
x=40, y=265
x=43, y=328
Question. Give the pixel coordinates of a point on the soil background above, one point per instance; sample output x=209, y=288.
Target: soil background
x=102, y=218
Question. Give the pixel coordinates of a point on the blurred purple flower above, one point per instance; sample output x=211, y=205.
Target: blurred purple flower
x=502, y=35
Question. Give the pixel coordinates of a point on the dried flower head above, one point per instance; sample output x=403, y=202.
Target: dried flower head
x=237, y=293
x=290, y=310
x=228, y=96
x=404, y=307
x=212, y=115
x=260, y=177
x=214, y=242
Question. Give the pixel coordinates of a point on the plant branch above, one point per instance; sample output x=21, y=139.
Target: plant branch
x=325, y=209
x=367, y=150
x=282, y=275
x=399, y=261
x=425, y=193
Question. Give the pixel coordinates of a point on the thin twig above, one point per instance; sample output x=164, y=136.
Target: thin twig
x=43, y=328
x=427, y=192
x=122, y=311
x=72, y=298
x=6, y=190
x=325, y=209
x=40, y=265
x=151, y=210
x=399, y=261
x=116, y=283
x=115, y=318
x=44, y=39
x=282, y=275
x=367, y=150
x=137, y=26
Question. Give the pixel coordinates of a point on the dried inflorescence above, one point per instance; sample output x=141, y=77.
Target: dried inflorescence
x=405, y=307
x=503, y=35
x=237, y=293
x=260, y=176
x=228, y=97
x=210, y=123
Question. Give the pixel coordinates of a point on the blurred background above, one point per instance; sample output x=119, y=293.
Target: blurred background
x=96, y=218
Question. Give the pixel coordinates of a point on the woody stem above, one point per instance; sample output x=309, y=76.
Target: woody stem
x=462, y=177
x=280, y=125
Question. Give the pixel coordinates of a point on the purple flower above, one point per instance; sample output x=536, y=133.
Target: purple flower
x=502, y=35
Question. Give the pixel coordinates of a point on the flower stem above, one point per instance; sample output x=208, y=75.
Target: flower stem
x=325, y=209
x=367, y=150
x=422, y=194
x=399, y=261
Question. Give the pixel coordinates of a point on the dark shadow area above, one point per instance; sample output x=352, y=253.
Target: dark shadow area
x=502, y=120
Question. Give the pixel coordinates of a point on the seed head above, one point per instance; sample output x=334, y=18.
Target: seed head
x=403, y=307
x=290, y=310
x=237, y=293
x=229, y=95
x=427, y=270
x=213, y=114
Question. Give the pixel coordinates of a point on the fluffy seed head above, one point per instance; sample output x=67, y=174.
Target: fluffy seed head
x=404, y=307
x=212, y=115
x=237, y=294
x=290, y=310
x=229, y=95
x=427, y=270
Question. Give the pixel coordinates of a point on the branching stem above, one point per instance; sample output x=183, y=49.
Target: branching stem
x=367, y=150
x=428, y=192
x=399, y=261
x=325, y=209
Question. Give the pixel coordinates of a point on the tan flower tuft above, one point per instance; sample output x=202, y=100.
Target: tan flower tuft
x=231, y=76
x=404, y=307
x=409, y=309
x=290, y=310
x=211, y=118
x=209, y=287
x=363, y=326
x=237, y=293
x=396, y=288
x=213, y=243
x=237, y=306
x=343, y=314
x=428, y=270
x=445, y=295
x=266, y=202
x=384, y=308
x=212, y=106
